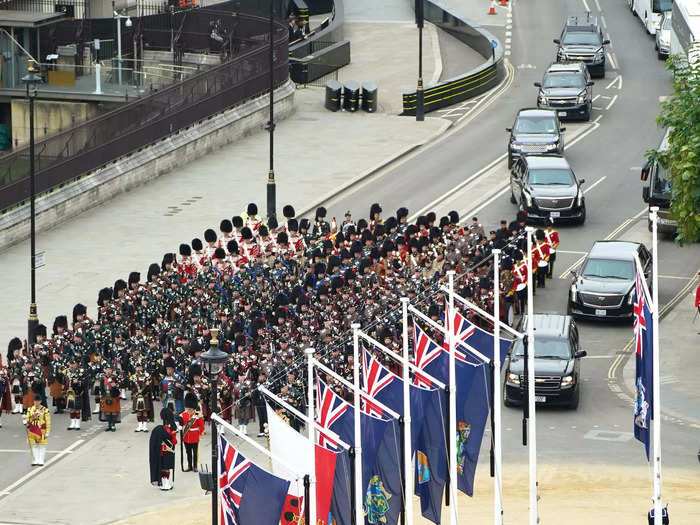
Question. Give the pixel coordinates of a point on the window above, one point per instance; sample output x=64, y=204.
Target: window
x=659, y=6
x=609, y=268
x=550, y=176
x=582, y=37
x=535, y=125
x=546, y=347
x=661, y=183
x=564, y=80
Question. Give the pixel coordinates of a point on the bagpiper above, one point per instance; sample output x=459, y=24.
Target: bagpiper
x=110, y=405
x=142, y=397
x=193, y=430
x=161, y=451
x=37, y=421
x=76, y=394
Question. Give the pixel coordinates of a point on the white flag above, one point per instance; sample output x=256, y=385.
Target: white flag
x=287, y=443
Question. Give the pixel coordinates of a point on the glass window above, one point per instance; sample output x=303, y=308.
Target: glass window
x=550, y=176
x=659, y=6
x=546, y=347
x=563, y=80
x=609, y=268
x=661, y=183
x=535, y=125
x=582, y=37
x=667, y=23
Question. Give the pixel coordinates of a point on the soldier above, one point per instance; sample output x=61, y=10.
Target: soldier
x=110, y=405
x=172, y=387
x=543, y=255
x=76, y=394
x=347, y=223
x=193, y=430
x=251, y=218
x=161, y=451
x=37, y=420
x=5, y=388
x=321, y=227
x=141, y=396
x=552, y=237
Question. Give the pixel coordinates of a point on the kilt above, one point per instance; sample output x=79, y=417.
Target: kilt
x=167, y=461
x=110, y=408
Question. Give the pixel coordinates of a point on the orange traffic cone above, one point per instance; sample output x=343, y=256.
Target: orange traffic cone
x=492, y=9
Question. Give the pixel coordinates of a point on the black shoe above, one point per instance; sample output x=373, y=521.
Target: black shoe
x=108, y=429
x=114, y=429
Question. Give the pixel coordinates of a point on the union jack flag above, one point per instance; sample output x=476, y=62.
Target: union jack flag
x=375, y=378
x=232, y=467
x=426, y=351
x=463, y=330
x=331, y=408
x=640, y=323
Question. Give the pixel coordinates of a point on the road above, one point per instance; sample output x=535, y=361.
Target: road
x=466, y=171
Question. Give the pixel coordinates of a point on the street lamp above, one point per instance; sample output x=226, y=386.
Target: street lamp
x=128, y=23
x=420, y=113
x=31, y=80
x=271, y=187
x=213, y=361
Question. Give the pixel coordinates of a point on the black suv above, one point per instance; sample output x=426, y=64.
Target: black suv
x=604, y=286
x=567, y=89
x=545, y=187
x=557, y=363
x=582, y=41
x=535, y=131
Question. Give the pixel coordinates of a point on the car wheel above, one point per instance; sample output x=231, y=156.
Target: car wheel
x=582, y=219
x=507, y=402
x=512, y=197
x=587, y=114
x=510, y=161
x=660, y=56
x=573, y=405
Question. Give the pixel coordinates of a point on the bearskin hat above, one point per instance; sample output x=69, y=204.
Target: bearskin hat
x=454, y=217
x=282, y=238
x=226, y=226
x=219, y=253
x=191, y=400
x=232, y=247
x=288, y=211
x=252, y=209
x=210, y=235
x=185, y=250
x=197, y=244
x=321, y=212
x=246, y=233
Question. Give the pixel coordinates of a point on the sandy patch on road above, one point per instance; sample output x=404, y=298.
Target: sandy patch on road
x=580, y=494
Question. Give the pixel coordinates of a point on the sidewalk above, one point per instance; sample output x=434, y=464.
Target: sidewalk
x=316, y=152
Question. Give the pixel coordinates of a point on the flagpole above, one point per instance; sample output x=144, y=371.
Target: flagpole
x=656, y=411
x=453, y=398
x=531, y=426
x=359, y=514
x=408, y=483
x=312, y=434
x=497, y=503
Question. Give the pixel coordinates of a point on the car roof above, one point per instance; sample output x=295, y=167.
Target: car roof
x=546, y=161
x=549, y=325
x=576, y=67
x=536, y=112
x=623, y=250
x=582, y=23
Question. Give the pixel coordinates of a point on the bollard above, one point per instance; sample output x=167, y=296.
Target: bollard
x=333, y=89
x=369, y=97
x=98, y=78
x=351, y=96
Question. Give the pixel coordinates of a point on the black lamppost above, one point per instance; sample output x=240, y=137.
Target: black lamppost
x=271, y=187
x=31, y=79
x=420, y=113
x=213, y=361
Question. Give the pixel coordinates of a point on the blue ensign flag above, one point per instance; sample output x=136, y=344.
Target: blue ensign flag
x=643, y=344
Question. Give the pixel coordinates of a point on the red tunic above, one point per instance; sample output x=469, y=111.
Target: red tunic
x=197, y=428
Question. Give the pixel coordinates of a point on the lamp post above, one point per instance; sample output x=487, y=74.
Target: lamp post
x=271, y=187
x=31, y=79
x=420, y=113
x=119, y=41
x=213, y=361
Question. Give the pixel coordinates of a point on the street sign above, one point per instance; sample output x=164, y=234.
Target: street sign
x=494, y=44
x=39, y=259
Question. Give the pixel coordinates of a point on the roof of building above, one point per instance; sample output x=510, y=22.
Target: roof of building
x=9, y=18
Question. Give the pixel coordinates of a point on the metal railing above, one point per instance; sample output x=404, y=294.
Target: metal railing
x=76, y=151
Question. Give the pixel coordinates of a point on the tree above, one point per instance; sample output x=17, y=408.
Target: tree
x=681, y=113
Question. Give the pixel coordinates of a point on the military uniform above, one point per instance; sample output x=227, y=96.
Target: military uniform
x=193, y=429
x=37, y=420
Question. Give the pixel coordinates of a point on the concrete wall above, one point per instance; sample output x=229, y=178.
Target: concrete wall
x=50, y=116
x=140, y=167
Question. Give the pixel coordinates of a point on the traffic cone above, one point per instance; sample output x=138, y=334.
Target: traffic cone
x=492, y=9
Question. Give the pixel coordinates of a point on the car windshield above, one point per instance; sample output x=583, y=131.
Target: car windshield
x=609, y=268
x=661, y=6
x=550, y=176
x=546, y=348
x=563, y=80
x=661, y=183
x=581, y=37
x=544, y=124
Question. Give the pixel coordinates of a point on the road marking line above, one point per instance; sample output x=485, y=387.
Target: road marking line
x=571, y=252
x=509, y=33
x=598, y=357
x=611, y=103
x=635, y=168
x=507, y=40
x=612, y=62
x=613, y=82
x=597, y=5
x=605, y=97
x=595, y=98
x=507, y=53
x=674, y=277
x=602, y=19
x=597, y=119
x=25, y=450
x=586, y=5
x=600, y=108
x=610, y=236
x=33, y=473
x=595, y=184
